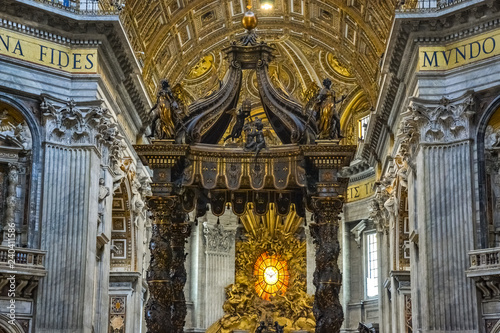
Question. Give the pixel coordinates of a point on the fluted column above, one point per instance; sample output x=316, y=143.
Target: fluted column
x=219, y=269
x=77, y=141
x=438, y=140
x=327, y=277
x=69, y=215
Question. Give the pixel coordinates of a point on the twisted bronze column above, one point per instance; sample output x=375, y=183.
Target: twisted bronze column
x=180, y=232
x=166, y=277
x=327, y=277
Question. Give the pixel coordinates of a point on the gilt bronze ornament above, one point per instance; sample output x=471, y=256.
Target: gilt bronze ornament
x=268, y=188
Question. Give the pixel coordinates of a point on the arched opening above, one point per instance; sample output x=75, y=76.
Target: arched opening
x=489, y=177
x=16, y=161
x=8, y=327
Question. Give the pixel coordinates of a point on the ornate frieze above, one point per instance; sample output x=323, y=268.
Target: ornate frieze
x=217, y=238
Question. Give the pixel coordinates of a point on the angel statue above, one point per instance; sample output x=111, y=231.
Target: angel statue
x=166, y=114
x=323, y=107
x=241, y=115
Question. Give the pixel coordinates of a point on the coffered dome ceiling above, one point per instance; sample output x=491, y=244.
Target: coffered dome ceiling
x=341, y=39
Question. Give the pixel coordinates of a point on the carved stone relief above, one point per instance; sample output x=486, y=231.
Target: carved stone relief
x=14, y=133
x=71, y=124
x=448, y=121
x=12, y=199
x=377, y=212
x=217, y=238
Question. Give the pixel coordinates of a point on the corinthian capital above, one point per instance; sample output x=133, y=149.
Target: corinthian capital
x=70, y=123
x=327, y=209
x=438, y=122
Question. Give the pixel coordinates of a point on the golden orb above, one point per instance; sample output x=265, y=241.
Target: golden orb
x=249, y=21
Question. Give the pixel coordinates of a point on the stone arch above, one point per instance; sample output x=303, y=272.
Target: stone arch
x=482, y=234
x=6, y=327
x=496, y=328
x=21, y=145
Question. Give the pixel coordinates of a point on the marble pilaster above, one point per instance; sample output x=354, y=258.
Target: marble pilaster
x=77, y=142
x=219, y=272
x=443, y=168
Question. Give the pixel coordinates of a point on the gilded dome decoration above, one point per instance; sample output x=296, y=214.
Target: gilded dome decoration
x=337, y=66
x=202, y=67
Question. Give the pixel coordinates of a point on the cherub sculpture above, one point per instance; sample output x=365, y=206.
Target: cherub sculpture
x=241, y=115
x=261, y=328
x=278, y=328
x=255, y=137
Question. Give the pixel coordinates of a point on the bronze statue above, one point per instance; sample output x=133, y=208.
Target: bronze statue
x=325, y=112
x=166, y=114
x=238, y=126
x=261, y=327
x=278, y=328
x=255, y=137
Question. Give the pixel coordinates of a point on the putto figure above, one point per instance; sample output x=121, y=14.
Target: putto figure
x=325, y=112
x=255, y=137
x=261, y=328
x=278, y=328
x=166, y=114
x=241, y=115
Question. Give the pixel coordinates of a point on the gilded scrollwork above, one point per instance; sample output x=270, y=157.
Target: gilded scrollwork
x=244, y=310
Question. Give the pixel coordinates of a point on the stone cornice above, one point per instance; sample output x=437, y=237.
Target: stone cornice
x=68, y=28
x=410, y=30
